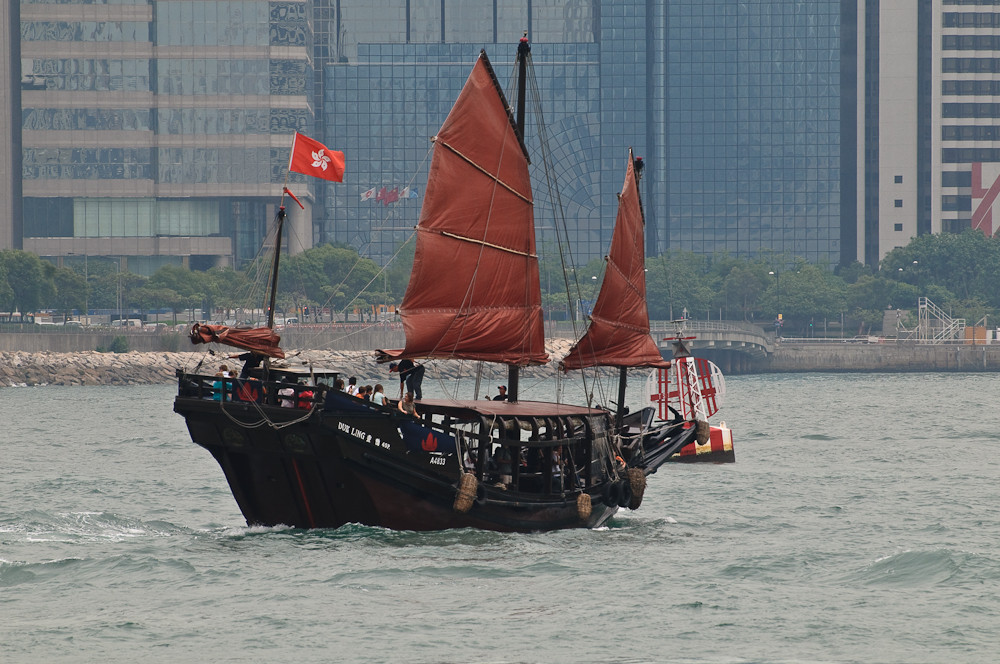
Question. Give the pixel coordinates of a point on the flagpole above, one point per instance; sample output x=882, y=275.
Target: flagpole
x=277, y=238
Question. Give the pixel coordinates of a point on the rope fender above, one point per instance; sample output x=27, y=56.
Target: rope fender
x=466, y=493
x=637, y=480
x=583, y=506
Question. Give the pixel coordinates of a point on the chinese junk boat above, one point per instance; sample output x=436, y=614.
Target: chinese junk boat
x=496, y=465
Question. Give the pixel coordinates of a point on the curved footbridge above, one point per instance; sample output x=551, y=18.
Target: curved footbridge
x=732, y=345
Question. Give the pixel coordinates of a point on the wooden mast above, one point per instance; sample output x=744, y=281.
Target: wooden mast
x=523, y=49
x=274, y=268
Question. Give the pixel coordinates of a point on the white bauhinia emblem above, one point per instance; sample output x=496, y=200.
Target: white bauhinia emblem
x=320, y=159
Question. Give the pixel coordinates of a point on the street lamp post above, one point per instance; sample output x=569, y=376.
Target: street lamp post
x=118, y=291
x=777, y=286
x=86, y=288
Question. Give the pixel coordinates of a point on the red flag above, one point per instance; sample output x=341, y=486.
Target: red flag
x=313, y=158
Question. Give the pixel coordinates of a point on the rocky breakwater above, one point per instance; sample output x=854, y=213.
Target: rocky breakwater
x=135, y=368
x=87, y=368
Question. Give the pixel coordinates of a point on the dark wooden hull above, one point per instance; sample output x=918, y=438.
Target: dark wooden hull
x=330, y=469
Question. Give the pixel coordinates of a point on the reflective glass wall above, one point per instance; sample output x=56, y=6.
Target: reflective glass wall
x=156, y=119
x=754, y=128
x=736, y=108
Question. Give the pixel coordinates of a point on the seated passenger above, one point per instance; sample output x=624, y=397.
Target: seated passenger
x=306, y=398
x=287, y=394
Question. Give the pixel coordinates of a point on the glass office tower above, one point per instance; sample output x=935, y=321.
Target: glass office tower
x=736, y=108
x=754, y=129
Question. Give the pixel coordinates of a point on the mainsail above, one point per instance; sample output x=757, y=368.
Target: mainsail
x=474, y=289
x=618, y=335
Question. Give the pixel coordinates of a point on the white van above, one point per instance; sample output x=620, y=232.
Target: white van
x=128, y=322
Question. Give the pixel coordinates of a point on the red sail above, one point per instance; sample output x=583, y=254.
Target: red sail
x=261, y=340
x=618, y=335
x=474, y=290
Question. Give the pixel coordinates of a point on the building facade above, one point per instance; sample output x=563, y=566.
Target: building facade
x=157, y=131
x=735, y=107
x=830, y=130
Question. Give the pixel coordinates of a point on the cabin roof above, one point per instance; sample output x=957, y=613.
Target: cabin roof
x=507, y=409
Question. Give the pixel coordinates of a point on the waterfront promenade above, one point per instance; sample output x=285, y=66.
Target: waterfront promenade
x=72, y=358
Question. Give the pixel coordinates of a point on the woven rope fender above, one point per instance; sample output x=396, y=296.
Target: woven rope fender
x=583, y=507
x=703, y=432
x=466, y=493
x=637, y=480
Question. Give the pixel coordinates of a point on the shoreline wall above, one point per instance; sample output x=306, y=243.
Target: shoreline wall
x=889, y=357
x=88, y=367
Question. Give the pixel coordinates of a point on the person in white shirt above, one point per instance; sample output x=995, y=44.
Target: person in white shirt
x=378, y=397
x=352, y=386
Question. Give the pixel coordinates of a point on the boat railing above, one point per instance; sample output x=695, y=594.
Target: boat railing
x=248, y=390
x=548, y=455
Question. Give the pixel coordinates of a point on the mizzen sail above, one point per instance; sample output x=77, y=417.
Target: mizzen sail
x=474, y=289
x=618, y=334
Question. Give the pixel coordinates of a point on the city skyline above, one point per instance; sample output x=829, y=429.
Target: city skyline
x=829, y=130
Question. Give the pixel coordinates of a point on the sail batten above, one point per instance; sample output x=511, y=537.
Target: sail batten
x=474, y=291
x=483, y=170
x=618, y=335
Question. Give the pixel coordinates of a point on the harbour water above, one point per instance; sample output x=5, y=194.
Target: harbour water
x=859, y=524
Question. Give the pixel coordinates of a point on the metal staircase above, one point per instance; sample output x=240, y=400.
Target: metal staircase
x=935, y=326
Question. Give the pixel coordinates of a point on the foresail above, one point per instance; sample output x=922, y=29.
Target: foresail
x=474, y=289
x=619, y=324
x=261, y=340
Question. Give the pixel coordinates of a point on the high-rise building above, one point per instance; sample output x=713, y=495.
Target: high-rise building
x=736, y=108
x=157, y=131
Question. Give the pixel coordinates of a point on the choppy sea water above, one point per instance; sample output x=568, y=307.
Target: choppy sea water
x=859, y=524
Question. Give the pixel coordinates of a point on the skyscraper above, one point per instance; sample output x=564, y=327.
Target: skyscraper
x=158, y=131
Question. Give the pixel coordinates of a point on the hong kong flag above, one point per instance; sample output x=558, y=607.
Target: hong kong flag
x=313, y=158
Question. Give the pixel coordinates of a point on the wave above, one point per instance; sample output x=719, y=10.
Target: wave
x=937, y=567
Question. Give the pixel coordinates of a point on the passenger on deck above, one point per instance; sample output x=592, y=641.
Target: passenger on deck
x=250, y=389
x=366, y=392
x=217, y=385
x=503, y=460
x=557, y=469
x=352, y=386
x=407, y=406
x=378, y=396
x=503, y=396
x=287, y=394
x=250, y=359
x=306, y=397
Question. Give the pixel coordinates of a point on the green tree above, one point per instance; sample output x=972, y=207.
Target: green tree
x=677, y=281
x=330, y=275
x=177, y=288
x=70, y=291
x=30, y=279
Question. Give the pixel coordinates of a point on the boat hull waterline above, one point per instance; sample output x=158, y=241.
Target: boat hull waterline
x=323, y=468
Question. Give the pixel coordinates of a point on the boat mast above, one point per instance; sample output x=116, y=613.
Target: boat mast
x=523, y=49
x=274, y=269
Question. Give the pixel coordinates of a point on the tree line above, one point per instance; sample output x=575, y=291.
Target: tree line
x=958, y=272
